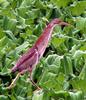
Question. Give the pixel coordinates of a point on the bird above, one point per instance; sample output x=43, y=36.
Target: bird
x=32, y=56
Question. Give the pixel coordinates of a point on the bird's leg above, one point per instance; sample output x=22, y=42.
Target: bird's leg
x=14, y=81
x=16, y=78
x=33, y=83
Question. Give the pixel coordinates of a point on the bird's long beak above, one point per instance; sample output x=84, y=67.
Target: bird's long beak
x=63, y=24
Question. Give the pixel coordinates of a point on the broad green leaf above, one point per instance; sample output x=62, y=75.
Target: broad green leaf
x=10, y=13
x=81, y=24
x=57, y=41
x=19, y=97
x=79, y=54
x=67, y=65
x=38, y=95
x=68, y=95
x=47, y=79
x=51, y=81
x=9, y=24
x=83, y=47
x=10, y=35
x=3, y=41
x=78, y=7
x=79, y=57
x=61, y=95
x=25, y=3
x=2, y=34
x=2, y=97
x=83, y=72
x=4, y=3
x=39, y=4
x=18, y=49
x=76, y=96
x=22, y=11
x=62, y=3
x=78, y=84
x=53, y=63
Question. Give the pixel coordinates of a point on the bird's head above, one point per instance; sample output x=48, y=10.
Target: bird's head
x=59, y=22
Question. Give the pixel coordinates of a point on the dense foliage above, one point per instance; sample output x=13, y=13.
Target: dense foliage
x=61, y=73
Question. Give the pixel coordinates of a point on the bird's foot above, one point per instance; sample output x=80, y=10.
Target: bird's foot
x=33, y=83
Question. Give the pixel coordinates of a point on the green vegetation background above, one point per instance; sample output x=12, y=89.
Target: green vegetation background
x=61, y=73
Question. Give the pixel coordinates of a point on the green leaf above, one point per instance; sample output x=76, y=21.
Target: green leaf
x=79, y=57
x=62, y=3
x=83, y=47
x=18, y=49
x=78, y=84
x=10, y=35
x=4, y=3
x=57, y=41
x=76, y=96
x=38, y=95
x=2, y=34
x=51, y=81
x=78, y=7
x=9, y=24
x=61, y=95
x=81, y=24
x=82, y=74
x=67, y=65
x=2, y=97
x=3, y=41
x=53, y=63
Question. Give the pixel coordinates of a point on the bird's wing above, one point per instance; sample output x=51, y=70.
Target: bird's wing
x=27, y=60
